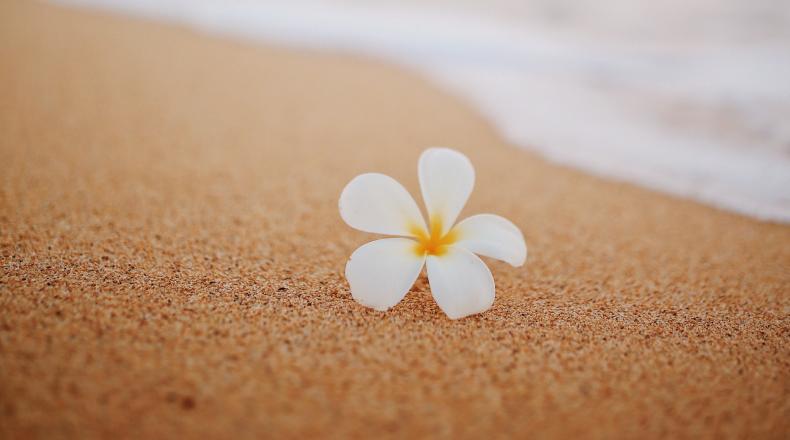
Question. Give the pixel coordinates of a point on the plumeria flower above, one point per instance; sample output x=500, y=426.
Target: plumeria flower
x=382, y=272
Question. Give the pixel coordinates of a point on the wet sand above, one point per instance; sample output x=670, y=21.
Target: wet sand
x=172, y=261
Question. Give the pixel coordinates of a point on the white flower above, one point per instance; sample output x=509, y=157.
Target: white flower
x=382, y=272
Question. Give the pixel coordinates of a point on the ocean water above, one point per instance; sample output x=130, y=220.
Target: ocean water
x=689, y=98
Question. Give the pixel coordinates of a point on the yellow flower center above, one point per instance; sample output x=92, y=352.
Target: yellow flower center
x=432, y=242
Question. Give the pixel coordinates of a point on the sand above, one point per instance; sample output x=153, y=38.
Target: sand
x=172, y=261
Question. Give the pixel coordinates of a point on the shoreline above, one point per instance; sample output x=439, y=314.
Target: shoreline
x=644, y=112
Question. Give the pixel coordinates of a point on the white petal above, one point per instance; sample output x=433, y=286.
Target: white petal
x=492, y=236
x=446, y=180
x=460, y=282
x=382, y=272
x=377, y=203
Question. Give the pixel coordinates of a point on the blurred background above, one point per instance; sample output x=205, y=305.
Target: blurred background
x=690, y=98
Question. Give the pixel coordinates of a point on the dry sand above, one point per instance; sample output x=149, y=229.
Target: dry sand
x=172, y=261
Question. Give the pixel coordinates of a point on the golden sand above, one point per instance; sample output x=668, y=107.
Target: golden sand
x=172, y=261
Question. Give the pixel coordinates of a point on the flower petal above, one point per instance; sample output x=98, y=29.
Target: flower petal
x=492, y=236
x=377, y=203
x=446, y=180
x=382, y=272
x=460, y=282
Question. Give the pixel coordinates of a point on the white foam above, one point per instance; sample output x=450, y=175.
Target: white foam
x=705, y=114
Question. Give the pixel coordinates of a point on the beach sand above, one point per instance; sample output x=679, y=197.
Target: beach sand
x=172, y=261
